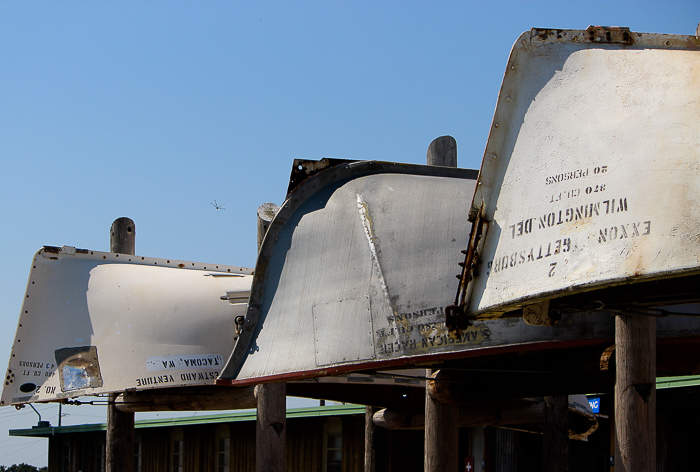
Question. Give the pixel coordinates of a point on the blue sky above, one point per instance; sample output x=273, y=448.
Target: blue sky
x=154, y=110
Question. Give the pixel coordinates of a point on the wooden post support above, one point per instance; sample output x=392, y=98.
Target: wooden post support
x=119, y=448
x=441, y=430
x=266, y=212
x=635, y=393
x=370, y=454
x=477, y=448
x=441, y=419
x=519, y=412
x=555, y=441
x=443, y=152
x=271, y=429
x=196, y=398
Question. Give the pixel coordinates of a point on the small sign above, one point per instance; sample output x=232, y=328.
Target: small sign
x=468, y=464
x=594, y=402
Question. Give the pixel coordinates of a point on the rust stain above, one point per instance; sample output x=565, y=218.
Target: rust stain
x=610, y=34
x=606, y=358
x=547, y=33
x=456, y=317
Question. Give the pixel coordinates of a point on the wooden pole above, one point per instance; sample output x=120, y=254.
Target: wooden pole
x=119, y=449
x=441, y=431
x=443, y=152
x=271, y=429
x=477, y=450
x=441, y=440
x=635, y=393
x=266, y=212
x=555, y=441
x=370, y=430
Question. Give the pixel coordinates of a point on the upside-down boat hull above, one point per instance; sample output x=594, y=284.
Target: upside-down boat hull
x=95, y=322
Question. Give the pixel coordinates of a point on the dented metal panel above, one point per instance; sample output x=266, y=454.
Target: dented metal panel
x=354, y=274
x=354, y=252
x=95, y=322
x=590, y=177
x=589, y=180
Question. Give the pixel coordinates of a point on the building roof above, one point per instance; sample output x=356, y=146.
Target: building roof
x=677, y=382
x=250, y=415
x=228, y=417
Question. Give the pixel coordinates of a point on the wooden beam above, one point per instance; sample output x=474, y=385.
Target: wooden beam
x=527, y=414
x=635, y=393
x=119, y=448
x=188, y=399
x=526, y=376
x=499, y=414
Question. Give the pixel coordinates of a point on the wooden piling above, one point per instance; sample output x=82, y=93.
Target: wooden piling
x=443, y=152
x=370, y=430
x=555, y=438
x=441, y=429
x=271, y=426
x=119, y=448
x=441, y=419
x=635, y=393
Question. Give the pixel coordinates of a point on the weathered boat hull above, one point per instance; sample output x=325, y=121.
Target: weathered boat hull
x=589, y=183
x=352, y=254
x=96, y=322
x=354, y=274
x=590, y=176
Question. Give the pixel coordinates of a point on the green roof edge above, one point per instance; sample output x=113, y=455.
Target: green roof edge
x=228, y=417
x=250, y=415
x=675, y=382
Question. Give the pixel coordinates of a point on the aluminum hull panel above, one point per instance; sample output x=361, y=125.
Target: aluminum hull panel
x=96, y=322
x=346, y=261
x=383, y=242
x=590, y=176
